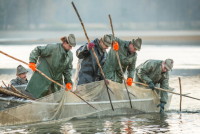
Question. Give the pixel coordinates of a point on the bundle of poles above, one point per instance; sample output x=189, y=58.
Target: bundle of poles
x=12, y=91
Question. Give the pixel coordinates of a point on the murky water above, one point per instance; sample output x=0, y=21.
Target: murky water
x=141, y=123
x=185, y=57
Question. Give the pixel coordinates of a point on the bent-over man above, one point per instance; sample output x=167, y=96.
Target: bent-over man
x=127, y=55
x=152, y=72
x=54, y=60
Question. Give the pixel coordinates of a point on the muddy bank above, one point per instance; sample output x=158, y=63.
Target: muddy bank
x=45, y=37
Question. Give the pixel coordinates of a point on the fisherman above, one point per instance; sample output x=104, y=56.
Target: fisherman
x=54, y=60
x=87, y=69
x=21, y=76
x=127, y=55
x=154, y=72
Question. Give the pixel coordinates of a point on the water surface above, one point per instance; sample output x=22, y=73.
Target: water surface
x=186, y=65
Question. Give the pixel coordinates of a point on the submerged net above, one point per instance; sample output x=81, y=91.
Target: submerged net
x=65, y=105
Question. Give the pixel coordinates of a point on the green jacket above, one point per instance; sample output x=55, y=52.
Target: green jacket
x=18, y=81
x=54, y=62
x=151, y=71
x=111, y=67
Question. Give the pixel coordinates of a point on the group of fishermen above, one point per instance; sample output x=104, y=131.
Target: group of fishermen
x=55, y=61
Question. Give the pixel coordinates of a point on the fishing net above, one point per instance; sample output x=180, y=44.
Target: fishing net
x=65, y=105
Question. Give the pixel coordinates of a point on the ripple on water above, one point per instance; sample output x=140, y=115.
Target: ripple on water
x=141, y=123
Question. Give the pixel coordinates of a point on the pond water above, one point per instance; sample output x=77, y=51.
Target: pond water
x=186, y=65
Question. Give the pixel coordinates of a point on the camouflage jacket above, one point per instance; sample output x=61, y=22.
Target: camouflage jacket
x=18, y=81
x=151, y=71
x=127, y=60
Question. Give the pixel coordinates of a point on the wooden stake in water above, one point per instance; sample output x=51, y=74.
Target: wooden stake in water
x=180, y=91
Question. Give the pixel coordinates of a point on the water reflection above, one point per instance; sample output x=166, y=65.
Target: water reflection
x=67, y=128
x=141, y=123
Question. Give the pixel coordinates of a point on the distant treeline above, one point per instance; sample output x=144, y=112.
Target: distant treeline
x=126, y=14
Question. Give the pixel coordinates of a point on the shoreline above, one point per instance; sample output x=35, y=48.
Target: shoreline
x=195, y=40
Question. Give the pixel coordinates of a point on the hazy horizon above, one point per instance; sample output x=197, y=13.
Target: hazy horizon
x=126, y=15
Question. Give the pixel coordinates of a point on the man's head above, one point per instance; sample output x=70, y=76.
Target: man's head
x=167, y=65
x=135, y=45
x=21, y=72
x=105, y=42
x=68, y=42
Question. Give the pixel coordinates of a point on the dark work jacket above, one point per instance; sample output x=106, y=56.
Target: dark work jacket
x=87, y=68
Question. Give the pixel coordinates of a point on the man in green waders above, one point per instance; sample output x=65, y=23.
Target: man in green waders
x=153, y=72
x=54, y=60
x=127, y=55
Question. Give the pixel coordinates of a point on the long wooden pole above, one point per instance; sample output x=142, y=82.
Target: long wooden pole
x=94, y=55
x=48, y=78
x=5, y=85
x=167, y=91
x=180, y=92
x=119, y=60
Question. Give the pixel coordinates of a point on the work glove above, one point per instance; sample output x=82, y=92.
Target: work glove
x=162, y=107
x=32, y=66
x=90, y=45
x=68, y=86
x=151, y=85
x=129, y=81
x=115, y=46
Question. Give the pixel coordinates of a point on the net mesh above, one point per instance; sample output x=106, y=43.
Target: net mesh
x=66, y=105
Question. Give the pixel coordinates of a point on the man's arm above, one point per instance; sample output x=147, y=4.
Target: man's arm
x=120, y=42
x=165, y=85
x=67, y=72
x=40, y=51
x=83, y=51
x=143, y=70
